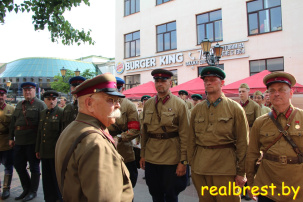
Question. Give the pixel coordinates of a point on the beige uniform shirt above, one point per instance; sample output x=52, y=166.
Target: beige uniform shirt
x=189, y=104
x=213, y=125
x=174, y=117
x=6, y=112
x=96, y=171
x=252, y=111
x=264, y=109
x=263, y=134
x=124, y=126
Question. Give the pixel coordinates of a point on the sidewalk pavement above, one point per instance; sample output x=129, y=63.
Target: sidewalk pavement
x=141, y=190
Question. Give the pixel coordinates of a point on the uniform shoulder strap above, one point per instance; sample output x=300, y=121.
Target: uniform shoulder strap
x=70, y=151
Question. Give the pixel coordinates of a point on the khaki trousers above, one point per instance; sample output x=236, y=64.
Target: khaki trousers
x=223, y=181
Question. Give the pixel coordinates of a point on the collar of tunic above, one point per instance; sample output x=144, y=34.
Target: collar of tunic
x=286, y=113
x=3, y=106
x=164, y=99
x=214, y=103
x=29, y=101
x=245, y=103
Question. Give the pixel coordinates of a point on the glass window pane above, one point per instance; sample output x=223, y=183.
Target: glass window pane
x=127, y=53
x=173, y=40
x=160, y=42
x=127, y=8
x=271, y=3
x=216, y=15
x=253, y=23
x=202, y=18
x=201, y=33
x=264, y=21
x=159, y=2
x=132, y=6
x=133, y=48
x=137, y=47
x=137, y=5
x=161, y=29
x=275, y=64
x=218, y=31
x=276, y=19
x=166, y=1
x=166, y=41
x=257, y=66
x=136, y=35
x=128, y=37
x=254, y=6
x=171, y=26
x=210, y=31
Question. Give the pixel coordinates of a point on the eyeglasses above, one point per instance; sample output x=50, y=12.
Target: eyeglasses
x=281, y=90
x=113, y=101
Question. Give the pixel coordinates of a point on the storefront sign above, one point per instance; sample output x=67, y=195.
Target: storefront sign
x=120, y=68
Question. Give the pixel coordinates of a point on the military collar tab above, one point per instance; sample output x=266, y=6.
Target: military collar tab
x=163, y=100
x=215, y=103
x=287, y=113
x=244, y=104
x=3, y=106
x=30, y=102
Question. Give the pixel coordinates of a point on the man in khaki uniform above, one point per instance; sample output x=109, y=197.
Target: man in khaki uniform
x=218, y=138
x=280, y=164
x=126, y=128
x=183, y=94
x=197, y=98
x=267, y=102
x=95, y=170
x=6, y=152
x=251, y=108
x=48, y=133
x=259, y=98
x=164, y=141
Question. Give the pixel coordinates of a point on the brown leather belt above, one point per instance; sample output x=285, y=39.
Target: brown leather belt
x=163, y=135
x=25, y=127
x=231, y=145
x=283, y=159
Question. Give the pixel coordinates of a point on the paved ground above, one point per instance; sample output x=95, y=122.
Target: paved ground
x=141, y=190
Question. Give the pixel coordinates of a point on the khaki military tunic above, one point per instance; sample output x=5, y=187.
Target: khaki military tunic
x=70, y=113
x=212, y=125
x=49, y=130
x=96, y=171
x=263, y=134
x=25, y=121
x=129, y=115
x=174, y=117
x=6, y=112
x=252, y=111
x=189, y=104
x=264, y=109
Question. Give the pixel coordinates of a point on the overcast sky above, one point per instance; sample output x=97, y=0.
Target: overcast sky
x=19, y=40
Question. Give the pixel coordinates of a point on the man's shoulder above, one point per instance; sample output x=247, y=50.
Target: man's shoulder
x=232, y=102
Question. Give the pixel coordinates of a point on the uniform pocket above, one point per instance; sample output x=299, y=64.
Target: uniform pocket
x=224, y=125
x=148, y=114
x=32, y=114
x=55, y=125
x=199, y=124
x=167, y=119
x=267, y=137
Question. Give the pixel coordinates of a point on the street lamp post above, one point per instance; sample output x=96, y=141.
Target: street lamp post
x=211, y=58
x=8, y=84
x=63, y=72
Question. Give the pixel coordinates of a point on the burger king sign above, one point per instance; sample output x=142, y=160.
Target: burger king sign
x=119, y=67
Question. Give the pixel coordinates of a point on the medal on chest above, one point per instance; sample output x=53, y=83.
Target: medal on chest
x=297, y=126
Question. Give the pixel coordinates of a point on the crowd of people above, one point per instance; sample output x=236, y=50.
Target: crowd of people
x=89, y=150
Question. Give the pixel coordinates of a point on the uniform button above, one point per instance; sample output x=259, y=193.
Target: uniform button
x=43, y=140
x=44, y=135
x=211, y=114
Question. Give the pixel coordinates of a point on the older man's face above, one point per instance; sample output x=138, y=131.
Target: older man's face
x=29, y=93
x=280, y=94
x=105, y=107
x=51, y=102
x=2, y=98
x=162, y=85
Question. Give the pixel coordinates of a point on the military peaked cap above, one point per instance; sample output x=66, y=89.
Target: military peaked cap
x=161, y=74
x=3, y=90
x=28, y=85
x=76, y=80
x=197, y=97
x=183, y=92
x=145, y=97
x=51, y=93
x=279, y=77
x=213, y=71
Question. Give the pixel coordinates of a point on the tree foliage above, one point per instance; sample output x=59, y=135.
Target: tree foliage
x=61, y=84
x=49, y=13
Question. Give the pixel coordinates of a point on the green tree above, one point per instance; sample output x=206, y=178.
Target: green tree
x=50, y=13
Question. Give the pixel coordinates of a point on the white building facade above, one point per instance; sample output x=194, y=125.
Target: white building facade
x=255, y=35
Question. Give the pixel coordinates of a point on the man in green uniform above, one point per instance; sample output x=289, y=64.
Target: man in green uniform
x=71, y=110
x=197, y=98
x=259, y=98
x=164, y=141
x=23, y=135
x=183, y=94
x=48, y=134
x=126, y=128
x=95, y=170
x=218, y=138
x=62, y=102
x=6, y=152
x=282, y=162
x=251, y=108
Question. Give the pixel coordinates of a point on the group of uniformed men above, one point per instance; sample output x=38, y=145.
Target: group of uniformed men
x=94, y=160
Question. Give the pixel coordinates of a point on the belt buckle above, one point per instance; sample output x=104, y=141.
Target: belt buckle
x=18, y=128
x=159, y=136
x=283, y=159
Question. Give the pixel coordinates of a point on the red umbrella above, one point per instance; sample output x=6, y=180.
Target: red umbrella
x=255, y=82
x=195, y=86
x=138, y=91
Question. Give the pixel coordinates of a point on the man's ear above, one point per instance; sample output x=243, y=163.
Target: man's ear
x=89, y=104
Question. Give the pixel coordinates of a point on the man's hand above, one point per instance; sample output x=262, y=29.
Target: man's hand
x=11, y=143
x=38, y=155
x=181, y=170
x=142, y=163
x=240, y=181
x=251, y=195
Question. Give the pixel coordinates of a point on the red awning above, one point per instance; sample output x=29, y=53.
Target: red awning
x=195, y=86
x=143, y=89
x=255, y=82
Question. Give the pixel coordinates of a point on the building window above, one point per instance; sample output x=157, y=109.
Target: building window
x=221, y=66
x=274, y=64
x=161, y=1
x=264, y=16
x=209, y=25
x=24, y=79
x=131, y=6
x=166, y=37
x=132, y=44
x=132, y=81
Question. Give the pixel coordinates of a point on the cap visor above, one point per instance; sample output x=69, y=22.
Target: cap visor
x=115, y=94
